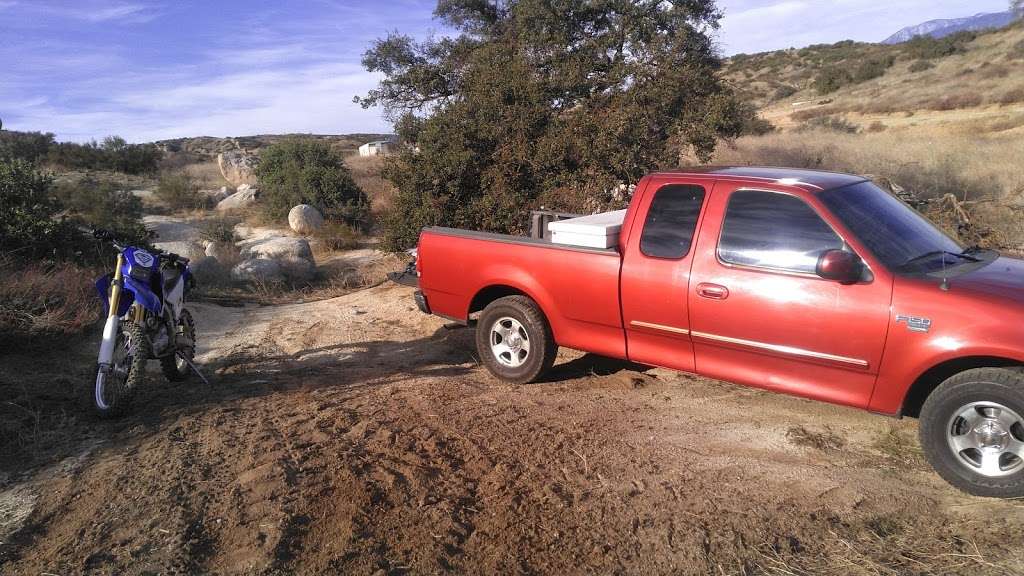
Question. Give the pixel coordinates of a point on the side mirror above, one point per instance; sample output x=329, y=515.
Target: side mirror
x=842, y=266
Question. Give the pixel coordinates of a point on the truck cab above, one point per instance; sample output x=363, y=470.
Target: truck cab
x=805, y=282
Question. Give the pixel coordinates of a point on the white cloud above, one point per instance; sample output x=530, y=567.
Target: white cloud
x=89, y=11
x=134, y=12
x=315, y=98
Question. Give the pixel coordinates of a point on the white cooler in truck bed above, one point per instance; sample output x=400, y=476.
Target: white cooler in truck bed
x=594, y=231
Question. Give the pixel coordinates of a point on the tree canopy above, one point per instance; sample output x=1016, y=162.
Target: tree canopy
x=536, y=102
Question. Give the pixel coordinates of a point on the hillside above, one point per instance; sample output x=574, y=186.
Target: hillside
x=963, y=82
x=211, y=146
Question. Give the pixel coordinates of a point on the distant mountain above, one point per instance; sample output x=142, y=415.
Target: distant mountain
x=940, y=28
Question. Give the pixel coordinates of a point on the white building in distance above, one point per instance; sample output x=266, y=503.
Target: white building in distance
x=377, y=148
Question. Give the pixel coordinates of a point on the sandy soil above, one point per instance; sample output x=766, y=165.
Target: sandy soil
x=358, y=436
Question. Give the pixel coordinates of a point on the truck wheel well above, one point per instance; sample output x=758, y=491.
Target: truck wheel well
x=492, y=293
x=931, y=378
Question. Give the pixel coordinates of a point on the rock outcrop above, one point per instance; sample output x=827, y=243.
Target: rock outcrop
x=244, y=197
x=238, y=167
x=257, y=270
x=215, y=196
x=292, y=255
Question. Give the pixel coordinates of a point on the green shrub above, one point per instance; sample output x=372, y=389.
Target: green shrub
x=219, y=230
x=927, y=48
x=872, y=68
x=27, y=146
x=29, y=212
x=831, y=79
x=784, y=91
x=120, y=156
x=920, y=66
x=754, y=125
x=304, y=171
x=830, y=123
x=178, y=191
x=114, y=153
x=92, y=203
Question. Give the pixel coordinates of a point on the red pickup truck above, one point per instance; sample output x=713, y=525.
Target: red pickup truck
x=811, y=283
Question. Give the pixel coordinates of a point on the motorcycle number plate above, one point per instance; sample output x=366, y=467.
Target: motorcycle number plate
x=144, y=259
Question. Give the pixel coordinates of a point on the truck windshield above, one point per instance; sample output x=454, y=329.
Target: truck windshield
x=895, y=233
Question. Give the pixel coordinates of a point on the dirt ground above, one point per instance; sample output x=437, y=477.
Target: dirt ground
x=358, y=436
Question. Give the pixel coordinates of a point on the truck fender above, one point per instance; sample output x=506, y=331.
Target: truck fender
x=518, y=281
x=912, y=390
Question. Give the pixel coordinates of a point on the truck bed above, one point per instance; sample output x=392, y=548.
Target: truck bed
x=576, y=286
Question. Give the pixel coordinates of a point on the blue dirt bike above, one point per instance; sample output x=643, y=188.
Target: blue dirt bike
x=146, y=319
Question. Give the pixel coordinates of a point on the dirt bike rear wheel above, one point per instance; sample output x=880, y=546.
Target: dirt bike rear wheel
x=175, y=368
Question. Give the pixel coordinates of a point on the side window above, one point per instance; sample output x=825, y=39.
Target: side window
x=773, y=230
x=671, y=221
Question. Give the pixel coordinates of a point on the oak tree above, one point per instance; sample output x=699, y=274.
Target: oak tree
x=534, y=102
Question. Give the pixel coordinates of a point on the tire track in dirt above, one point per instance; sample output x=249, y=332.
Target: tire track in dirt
x=352, y=436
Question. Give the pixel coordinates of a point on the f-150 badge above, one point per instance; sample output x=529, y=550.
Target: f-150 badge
x=915, y=323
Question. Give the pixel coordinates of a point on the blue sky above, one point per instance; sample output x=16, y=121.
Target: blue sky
x=154, y=69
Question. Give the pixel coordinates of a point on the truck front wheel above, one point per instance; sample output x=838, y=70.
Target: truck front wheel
x=972, y=431
x=514, y=340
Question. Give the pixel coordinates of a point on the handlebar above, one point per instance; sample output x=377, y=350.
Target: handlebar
x=108, y=236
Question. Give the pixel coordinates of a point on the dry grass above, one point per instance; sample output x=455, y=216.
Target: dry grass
x=366, y=170
x=206, y=175
x=929, y=163
x=953, y=101
x=45, y=300
x=334, y=236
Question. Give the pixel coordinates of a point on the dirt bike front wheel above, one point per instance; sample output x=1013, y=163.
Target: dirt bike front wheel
x=114, y=386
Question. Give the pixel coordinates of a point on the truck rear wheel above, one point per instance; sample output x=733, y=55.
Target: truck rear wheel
x=514, y=340
x=972, y=431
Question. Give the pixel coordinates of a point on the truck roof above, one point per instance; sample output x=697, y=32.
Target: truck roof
x=815, y=179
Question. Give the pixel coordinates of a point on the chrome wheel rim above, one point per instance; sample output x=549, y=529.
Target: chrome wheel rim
x=987, y=438
x=510, y=342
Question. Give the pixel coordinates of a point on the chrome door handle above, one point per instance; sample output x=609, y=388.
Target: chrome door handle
x=712, y=291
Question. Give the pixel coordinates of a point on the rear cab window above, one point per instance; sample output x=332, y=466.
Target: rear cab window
x=672, y=221
x=774, y=230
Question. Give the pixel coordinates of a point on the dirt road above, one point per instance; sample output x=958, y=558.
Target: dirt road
x=357, y=436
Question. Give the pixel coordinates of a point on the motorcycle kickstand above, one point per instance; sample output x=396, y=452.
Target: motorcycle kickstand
x=195, y=369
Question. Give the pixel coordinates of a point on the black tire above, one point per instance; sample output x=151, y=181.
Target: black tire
x=117, y=393
x=542, y=346
x=941, y=420
x=172, y=369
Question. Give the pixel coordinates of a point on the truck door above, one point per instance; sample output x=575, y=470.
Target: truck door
x=656, y=272
x=761, y=315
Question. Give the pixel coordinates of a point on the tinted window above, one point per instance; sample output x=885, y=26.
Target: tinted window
x=773, y=230
x=893, y=231
x=671, y=221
